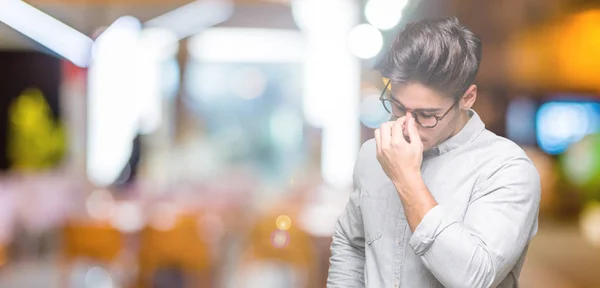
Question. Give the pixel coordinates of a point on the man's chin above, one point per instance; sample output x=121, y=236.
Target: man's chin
x=427, y=146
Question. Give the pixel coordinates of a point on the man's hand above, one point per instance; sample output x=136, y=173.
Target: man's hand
x=400, y=150
x=401, y=157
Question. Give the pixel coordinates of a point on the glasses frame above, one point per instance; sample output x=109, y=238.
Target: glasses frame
x=394, y=101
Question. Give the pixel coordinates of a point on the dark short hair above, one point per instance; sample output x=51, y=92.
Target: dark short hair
x=439, y=53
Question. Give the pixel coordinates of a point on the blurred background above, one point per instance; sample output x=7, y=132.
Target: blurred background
x=211, y=143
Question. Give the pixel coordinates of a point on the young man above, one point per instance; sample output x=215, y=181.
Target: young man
x=439, y=201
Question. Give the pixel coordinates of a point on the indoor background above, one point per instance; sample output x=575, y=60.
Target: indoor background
x=211, y=143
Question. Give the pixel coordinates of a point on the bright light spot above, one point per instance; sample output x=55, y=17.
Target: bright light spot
x=122, y=34
x=42, y=28
x=331, y=82
x=125, y=93
x=280, y=239
x=112, y=104
x=164, y=216
x=330, y=15
x=100, y=205
x=307, y=15
x=249, y=83
x=559, y=124
x=128, y=217
x=365, y=41
x=590, y=223
x=157, y=43
x=98, y=277
x=372, y=113
x=247, y=45
x=155, y=48
x=283, y=222
x=384, y=14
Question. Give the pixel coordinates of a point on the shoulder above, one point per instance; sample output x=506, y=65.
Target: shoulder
x=504, y=162
x=497, y=150
x=368, y=173
x=368, y=151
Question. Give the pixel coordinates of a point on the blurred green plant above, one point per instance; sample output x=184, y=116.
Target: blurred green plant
x=36, y=141
x=581, y=166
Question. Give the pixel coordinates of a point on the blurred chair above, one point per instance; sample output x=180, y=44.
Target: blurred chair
x=94, y=241
x=3, y=255
x=277, y=250
x=177, y=248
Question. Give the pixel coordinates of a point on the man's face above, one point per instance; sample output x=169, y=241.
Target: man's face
x=426, y=102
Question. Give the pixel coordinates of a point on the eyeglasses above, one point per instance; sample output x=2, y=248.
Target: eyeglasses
x=398, y=110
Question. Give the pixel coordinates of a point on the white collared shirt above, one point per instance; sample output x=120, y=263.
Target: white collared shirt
x=488, y=194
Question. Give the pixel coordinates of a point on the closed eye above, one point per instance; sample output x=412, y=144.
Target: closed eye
x=426, y=115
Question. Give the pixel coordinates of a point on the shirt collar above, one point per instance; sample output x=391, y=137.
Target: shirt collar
x=468, y=133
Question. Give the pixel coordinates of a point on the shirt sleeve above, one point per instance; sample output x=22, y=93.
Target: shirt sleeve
x=482, y=249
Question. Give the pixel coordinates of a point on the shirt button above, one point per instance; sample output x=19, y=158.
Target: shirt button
x=396, y=284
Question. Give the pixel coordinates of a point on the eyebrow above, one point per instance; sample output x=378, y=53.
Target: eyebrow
x=429, y=110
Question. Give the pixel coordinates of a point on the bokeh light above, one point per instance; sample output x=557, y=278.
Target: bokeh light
x=589, y=219
x=280, y=239
x=283, y=222
x=372, y=113
x=559, y=124
x=100, y=204
x=384, y=14
x=128, y=217
x=581, y=163
x=98, y=277
x=365, y=41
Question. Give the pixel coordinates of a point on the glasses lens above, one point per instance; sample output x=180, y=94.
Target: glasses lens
x=427, y=121
x=387, y=104
x=393, y=108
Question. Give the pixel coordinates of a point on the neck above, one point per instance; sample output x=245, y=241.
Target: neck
x=463, y=118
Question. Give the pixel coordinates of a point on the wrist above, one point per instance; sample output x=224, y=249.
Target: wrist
x=411, y=182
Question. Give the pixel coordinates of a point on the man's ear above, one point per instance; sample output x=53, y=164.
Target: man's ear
x=469, y=98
